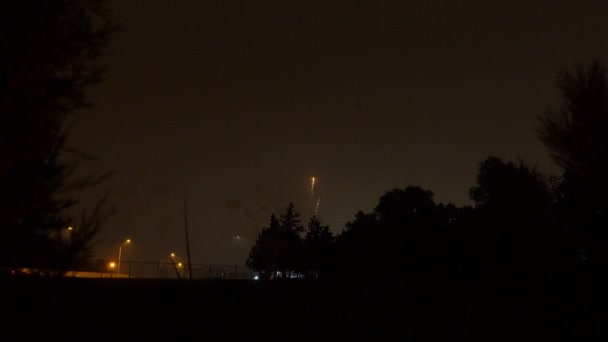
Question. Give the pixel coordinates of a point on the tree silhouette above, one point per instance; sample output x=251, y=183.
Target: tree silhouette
x=513, y=189
x=264, y=254
x=577, y=132
x=394, y=241
x=513, y=204
x=50, y=59
x=355, y=249
x=317, y=247
x=290, y=253
x=290, y=221
x=278, y=248
x=399, y=207
x=576, y=135
x=408, y=217
x=456, y=241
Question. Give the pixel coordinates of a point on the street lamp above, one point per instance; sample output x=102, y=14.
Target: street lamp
x=128, y=241
x=176, y=267
x=66, y=233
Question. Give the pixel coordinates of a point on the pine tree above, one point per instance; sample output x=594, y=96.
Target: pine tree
x=290, y=253
x=264, y=254
x=317, y=246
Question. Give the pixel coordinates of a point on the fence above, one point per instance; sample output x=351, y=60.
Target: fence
x=160, y=270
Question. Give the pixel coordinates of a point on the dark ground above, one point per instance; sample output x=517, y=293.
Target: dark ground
x=117, y=309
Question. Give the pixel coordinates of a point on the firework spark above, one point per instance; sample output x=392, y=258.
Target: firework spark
x=317, y=207
x=312, y=186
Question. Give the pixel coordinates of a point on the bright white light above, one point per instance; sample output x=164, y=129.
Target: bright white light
x=256, y=278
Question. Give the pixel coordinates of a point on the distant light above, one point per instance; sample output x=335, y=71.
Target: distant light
x=172, y=255
x=112, y=264
x=70, y=228
x=128, y=241
x=237, y=237
x=256, y=278
x=179, y=264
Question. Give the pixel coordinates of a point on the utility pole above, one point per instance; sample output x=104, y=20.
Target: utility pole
x=187, y=239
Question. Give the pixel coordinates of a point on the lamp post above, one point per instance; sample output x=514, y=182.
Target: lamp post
x=70, y=230
x=66, y=234
x=126, y=242
x=175, y=266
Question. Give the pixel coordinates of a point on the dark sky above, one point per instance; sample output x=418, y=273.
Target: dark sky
x=236, y=104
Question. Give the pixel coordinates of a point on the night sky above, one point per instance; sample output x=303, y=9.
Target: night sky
x=236, y=104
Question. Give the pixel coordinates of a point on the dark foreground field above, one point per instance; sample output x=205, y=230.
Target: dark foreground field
x=117, y=309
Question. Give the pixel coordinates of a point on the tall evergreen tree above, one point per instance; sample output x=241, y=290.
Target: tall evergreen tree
x=278, y=249
x=317, y=247
x=290, y=221
x=264, y=254
x=291, y=254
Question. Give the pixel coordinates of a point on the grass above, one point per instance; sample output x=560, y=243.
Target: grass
x=110, y=309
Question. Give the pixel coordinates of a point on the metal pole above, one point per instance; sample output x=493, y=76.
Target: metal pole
x=179, y=275
x=187, y=240
x=119, y=255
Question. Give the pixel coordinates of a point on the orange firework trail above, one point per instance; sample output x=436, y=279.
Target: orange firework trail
x=312, y=187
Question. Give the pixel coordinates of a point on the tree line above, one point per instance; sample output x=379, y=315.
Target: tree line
x=50, y=60
x=522, y=224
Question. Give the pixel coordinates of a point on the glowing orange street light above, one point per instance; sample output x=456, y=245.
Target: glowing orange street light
x=127, y=242
x=67, y=233
x=112, y=264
